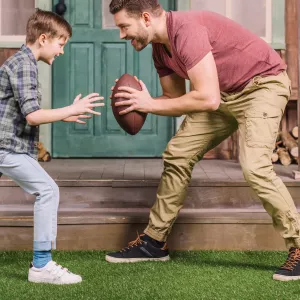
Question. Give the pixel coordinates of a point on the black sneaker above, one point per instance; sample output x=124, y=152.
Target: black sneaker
x=290, y=270
x=141, y=249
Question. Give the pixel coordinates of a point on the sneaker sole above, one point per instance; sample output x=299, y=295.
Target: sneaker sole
x=285, y=278
x=134, y=260
x=41, y=280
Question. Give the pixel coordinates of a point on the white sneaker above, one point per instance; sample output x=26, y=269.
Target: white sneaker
x=52, y=273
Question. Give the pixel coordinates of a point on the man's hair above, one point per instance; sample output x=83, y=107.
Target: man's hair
x=136, y=7
x=49, y=23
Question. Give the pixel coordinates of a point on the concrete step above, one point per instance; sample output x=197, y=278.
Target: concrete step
x=195, y=229
x=142, y=193
x=106, y=214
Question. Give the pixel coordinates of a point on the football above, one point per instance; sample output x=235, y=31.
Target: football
x=133, y=121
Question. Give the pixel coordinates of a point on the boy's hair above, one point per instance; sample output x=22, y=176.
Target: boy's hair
x=136, y=7
x=49, y=23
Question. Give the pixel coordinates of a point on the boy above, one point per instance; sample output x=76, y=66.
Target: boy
x=20, y=117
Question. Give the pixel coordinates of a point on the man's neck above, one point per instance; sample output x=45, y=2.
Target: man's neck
x=161, y=32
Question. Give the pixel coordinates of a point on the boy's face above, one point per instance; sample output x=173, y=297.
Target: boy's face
x=51, y=48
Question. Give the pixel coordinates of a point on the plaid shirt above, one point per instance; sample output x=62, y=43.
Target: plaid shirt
x=19, y=96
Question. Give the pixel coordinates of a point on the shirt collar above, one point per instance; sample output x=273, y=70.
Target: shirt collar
x=27, y=51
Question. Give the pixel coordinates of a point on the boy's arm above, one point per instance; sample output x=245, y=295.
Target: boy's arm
x=78, y=108
x=24, y=84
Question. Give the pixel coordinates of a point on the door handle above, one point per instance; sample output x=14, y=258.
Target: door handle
x=61, y=8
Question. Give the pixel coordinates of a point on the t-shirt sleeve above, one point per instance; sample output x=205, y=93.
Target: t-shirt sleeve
x=161, y=69
x=192, y=44
x=24, y=83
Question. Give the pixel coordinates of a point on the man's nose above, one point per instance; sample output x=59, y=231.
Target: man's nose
x=122, y=35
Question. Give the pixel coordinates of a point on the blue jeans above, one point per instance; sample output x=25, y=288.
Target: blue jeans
x=33, y=179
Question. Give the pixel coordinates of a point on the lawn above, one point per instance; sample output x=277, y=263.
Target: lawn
x=189, y=275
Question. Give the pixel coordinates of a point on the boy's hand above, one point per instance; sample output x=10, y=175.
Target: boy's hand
x=77, y=119
x=86, y=105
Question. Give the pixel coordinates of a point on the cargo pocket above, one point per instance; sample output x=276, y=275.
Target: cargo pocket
x=262, y=127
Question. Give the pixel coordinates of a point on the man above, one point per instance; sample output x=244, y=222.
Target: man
x=239, y=82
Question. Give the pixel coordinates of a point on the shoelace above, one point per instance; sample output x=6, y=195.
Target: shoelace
x=292, y=260
x=134, y=243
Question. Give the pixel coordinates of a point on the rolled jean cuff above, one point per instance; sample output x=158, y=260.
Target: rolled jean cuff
x=43, y=246
x=155, y=235
x=292, y=242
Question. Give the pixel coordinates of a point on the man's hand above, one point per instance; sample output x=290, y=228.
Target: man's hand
x=137, y=100
x=86, y=104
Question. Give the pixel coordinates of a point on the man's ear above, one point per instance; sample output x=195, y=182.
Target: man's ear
x=146, y=18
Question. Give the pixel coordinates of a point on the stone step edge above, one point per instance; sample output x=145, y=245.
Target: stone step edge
x=144, y=183
x=130, y=216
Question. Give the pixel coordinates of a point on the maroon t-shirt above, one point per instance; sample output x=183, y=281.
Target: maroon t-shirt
x=239, y=54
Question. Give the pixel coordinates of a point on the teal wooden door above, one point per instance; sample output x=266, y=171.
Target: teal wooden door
x=93, y=59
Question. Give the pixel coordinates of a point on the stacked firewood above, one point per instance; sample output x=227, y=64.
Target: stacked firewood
x=286, y=151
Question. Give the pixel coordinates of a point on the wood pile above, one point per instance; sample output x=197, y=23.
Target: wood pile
x=286, y=150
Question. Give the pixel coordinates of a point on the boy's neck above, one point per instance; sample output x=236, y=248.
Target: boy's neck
x=35, y=50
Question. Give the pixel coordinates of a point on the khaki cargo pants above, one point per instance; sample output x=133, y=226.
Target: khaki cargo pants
x=256, y=113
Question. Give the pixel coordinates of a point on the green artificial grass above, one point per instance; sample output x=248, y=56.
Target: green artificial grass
x=189, y=275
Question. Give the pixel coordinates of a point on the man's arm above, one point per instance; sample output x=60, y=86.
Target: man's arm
x=173, y=86
x=204, y=97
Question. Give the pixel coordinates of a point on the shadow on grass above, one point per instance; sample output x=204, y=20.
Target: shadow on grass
x=203, y=261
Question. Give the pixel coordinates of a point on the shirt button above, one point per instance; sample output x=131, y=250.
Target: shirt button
x=265, y=114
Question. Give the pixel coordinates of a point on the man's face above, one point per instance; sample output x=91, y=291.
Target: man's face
x=132, y=28
x=52, y=48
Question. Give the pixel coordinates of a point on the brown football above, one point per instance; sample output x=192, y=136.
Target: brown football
x=133, y=121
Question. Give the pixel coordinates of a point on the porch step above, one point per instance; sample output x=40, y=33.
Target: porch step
x=100, y=194
x=23, y=216
x=217, y=229
x=103, y=207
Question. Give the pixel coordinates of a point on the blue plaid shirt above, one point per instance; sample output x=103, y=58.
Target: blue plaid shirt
x=19, y=96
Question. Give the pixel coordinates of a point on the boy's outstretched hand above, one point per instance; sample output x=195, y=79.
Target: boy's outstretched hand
x=77, y=119
x=82, y=106
x=86, y=104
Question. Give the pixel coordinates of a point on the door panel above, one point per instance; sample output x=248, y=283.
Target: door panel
x=93, y=59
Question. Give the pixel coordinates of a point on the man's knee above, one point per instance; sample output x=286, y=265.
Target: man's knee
x=255, y=172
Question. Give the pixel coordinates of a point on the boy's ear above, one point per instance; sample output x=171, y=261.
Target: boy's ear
x=42, y=39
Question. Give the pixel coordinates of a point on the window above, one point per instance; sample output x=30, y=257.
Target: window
x=13, y=18
x=107, y=18
x=265, y=18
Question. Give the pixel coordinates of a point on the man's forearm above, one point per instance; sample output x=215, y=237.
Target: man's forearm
x=190, y=102
x=161, y=97
x=44, y=116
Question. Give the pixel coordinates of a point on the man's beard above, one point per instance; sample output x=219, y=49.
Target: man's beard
x=142, y=40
